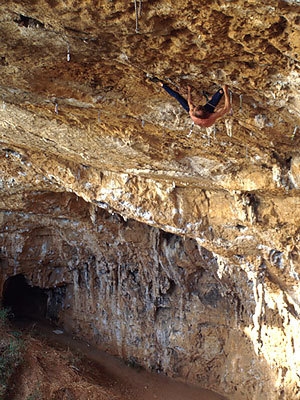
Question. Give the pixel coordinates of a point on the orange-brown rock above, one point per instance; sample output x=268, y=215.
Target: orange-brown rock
x=174, y=248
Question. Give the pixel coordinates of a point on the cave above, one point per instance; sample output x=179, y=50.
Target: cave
x=29, y=302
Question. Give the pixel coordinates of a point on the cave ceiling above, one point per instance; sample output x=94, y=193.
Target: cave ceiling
x=79, y=113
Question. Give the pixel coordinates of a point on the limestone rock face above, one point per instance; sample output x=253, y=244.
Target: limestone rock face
x=175, y=247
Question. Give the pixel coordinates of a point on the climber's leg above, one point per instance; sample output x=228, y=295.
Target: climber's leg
x=177, y=96
x=214, y=101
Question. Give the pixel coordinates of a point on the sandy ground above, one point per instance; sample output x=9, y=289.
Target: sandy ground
x=91, y=370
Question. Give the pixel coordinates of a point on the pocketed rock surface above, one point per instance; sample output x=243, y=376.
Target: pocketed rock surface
x=169, y=245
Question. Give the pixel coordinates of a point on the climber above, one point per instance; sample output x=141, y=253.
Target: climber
x=204, y=116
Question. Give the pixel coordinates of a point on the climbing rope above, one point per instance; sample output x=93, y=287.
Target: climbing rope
x=138, y=12
x=140, y=8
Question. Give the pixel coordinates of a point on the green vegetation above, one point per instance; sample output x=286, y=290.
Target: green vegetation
x=11, y=348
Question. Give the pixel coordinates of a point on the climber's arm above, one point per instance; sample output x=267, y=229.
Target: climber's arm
x=226, y=108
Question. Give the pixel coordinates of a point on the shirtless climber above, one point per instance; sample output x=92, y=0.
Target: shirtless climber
x=204, y=116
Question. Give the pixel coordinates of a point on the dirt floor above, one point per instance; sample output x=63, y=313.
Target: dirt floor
x=59, y=367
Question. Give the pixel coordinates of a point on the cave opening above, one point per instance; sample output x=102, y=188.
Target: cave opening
x=31, y=302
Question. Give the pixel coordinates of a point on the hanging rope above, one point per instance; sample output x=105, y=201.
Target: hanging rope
x=140, y=9
x=138, y=13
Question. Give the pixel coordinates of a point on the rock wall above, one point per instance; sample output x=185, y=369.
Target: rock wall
x=175, y=247
x=159, y=300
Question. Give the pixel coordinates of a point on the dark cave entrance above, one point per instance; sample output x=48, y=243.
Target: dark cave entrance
x=31, y=302
x=23, y=300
